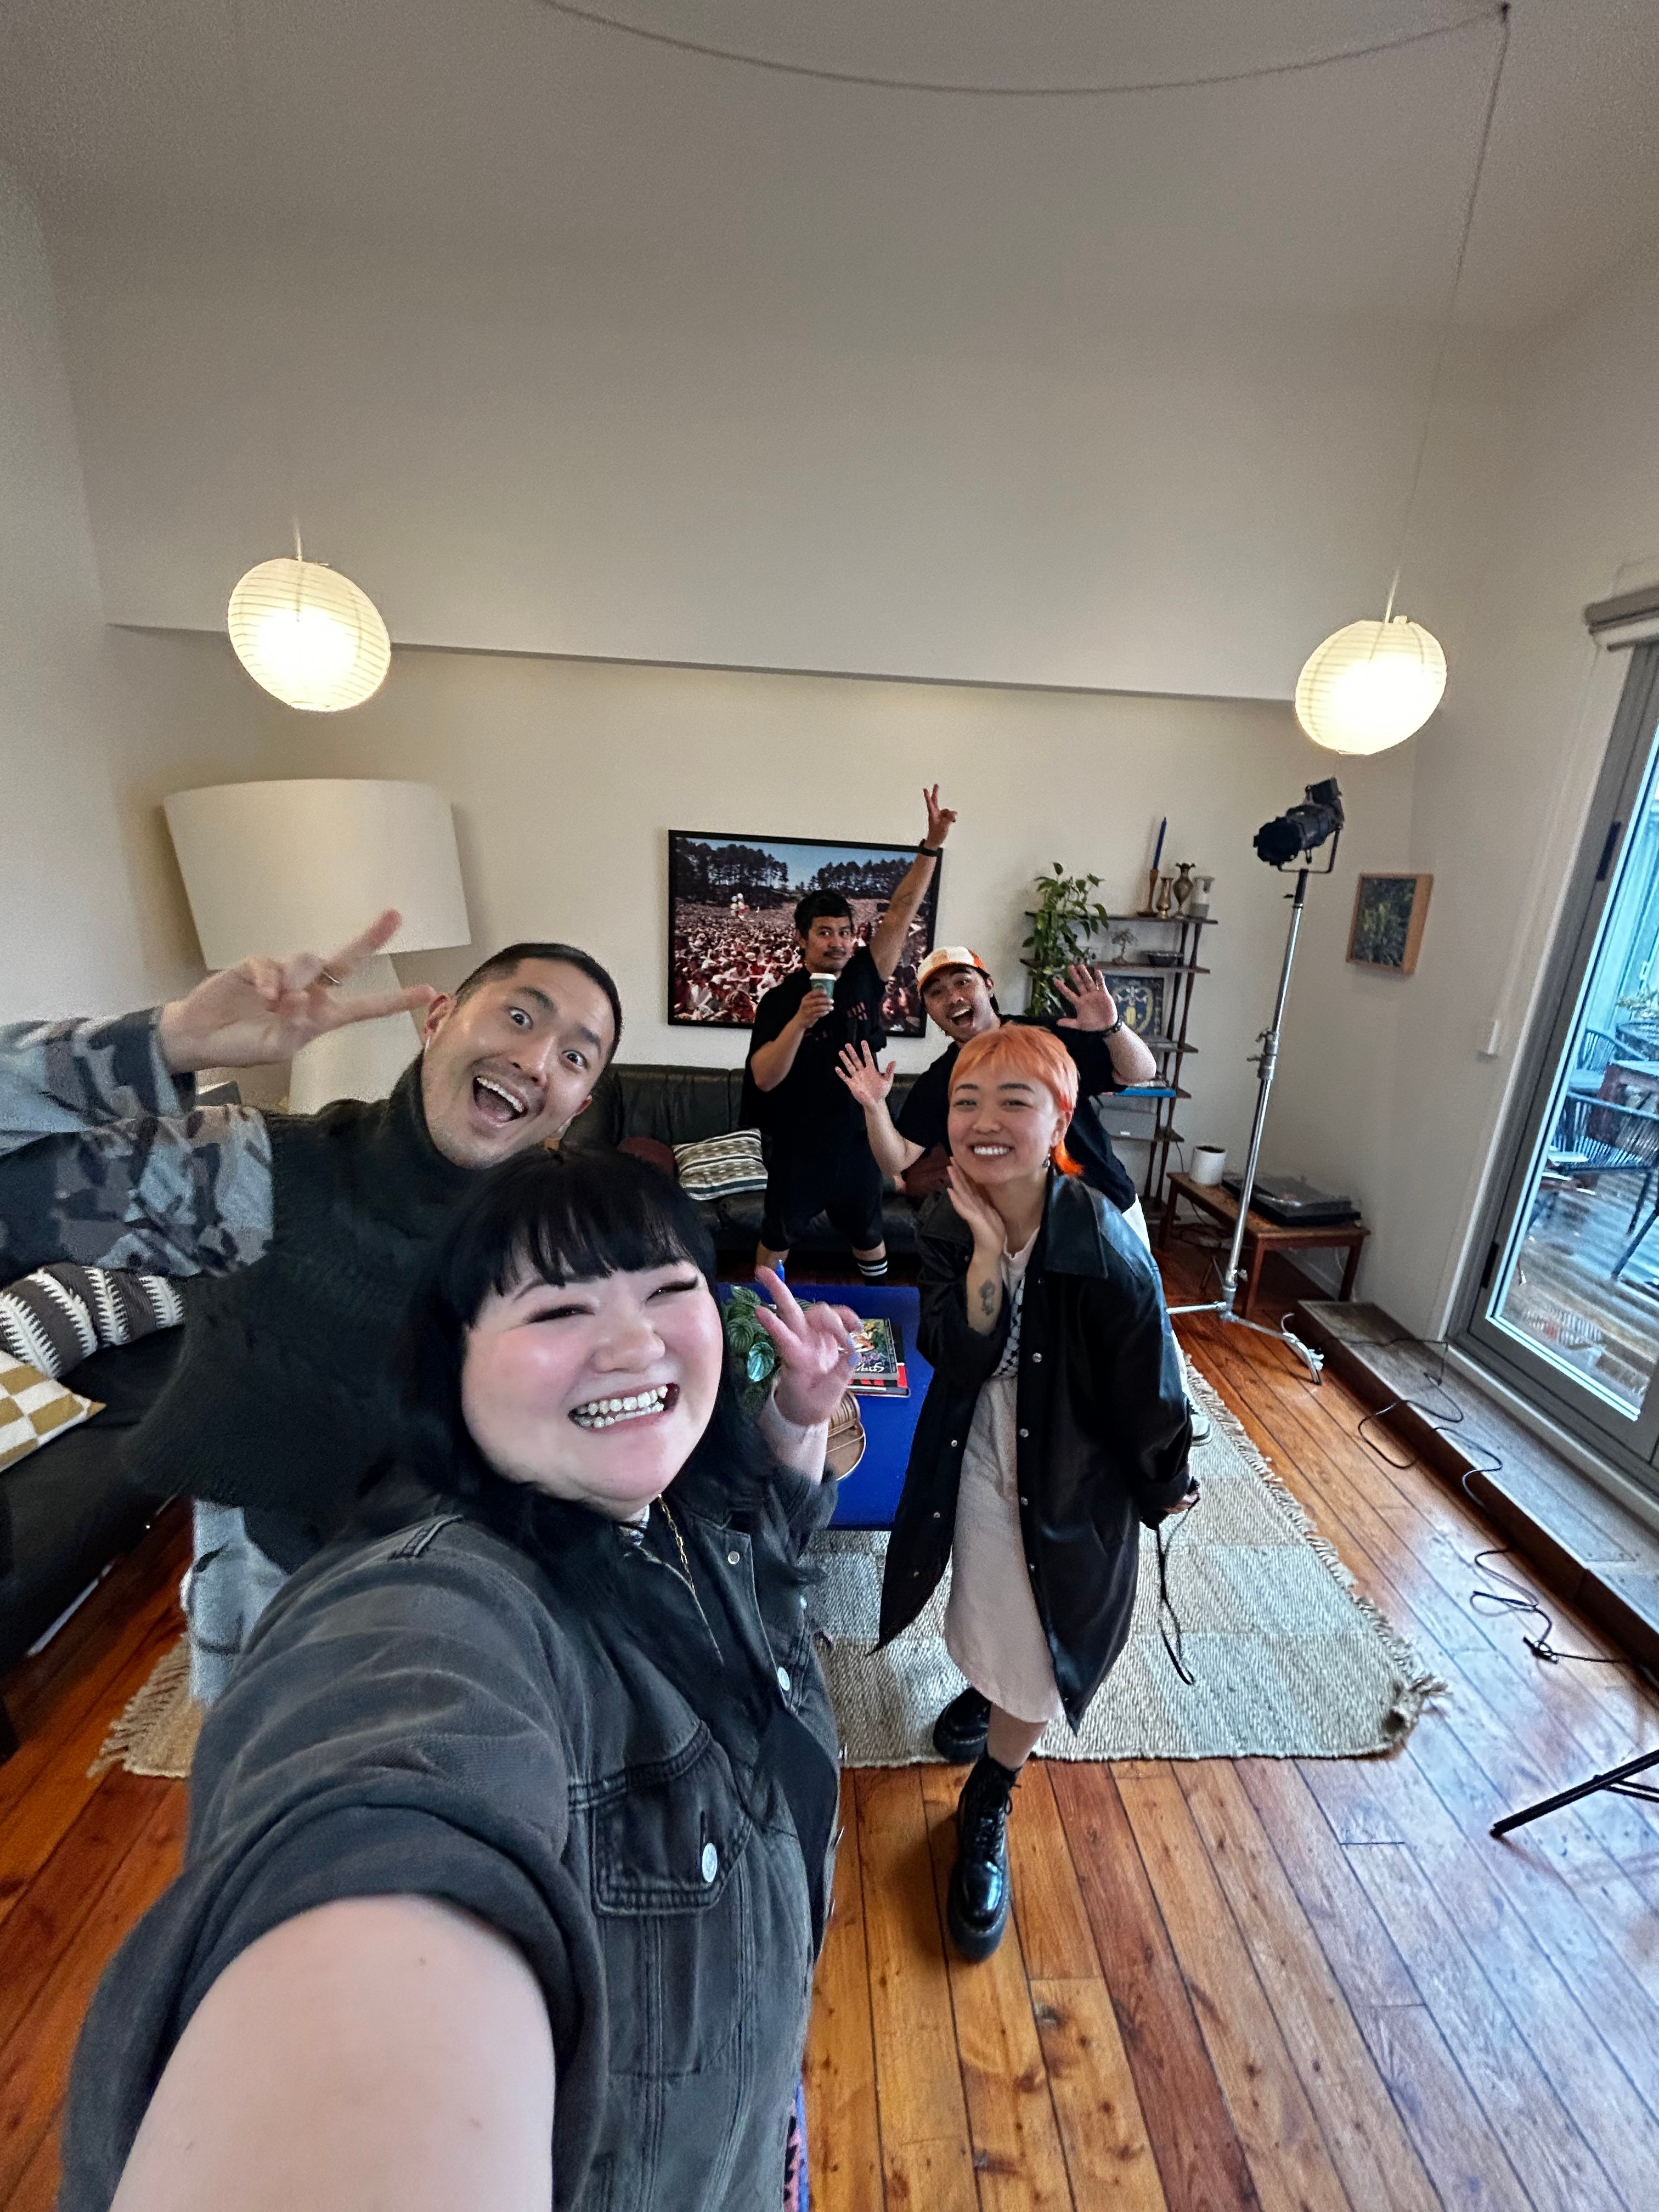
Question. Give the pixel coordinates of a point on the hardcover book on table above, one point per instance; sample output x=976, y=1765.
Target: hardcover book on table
x=878, y=1359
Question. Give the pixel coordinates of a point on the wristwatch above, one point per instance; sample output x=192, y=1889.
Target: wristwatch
x=931, y=851
x=1114, y=1028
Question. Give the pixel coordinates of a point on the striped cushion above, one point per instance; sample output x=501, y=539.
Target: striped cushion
x=34, y=1409
x=62, y=1313
x=720, y=1167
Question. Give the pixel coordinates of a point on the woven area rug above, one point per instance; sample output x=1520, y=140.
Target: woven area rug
x=1290, y=1660
x=156, y=1730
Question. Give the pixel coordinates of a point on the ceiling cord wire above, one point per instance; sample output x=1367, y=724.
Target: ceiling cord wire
x=1451, y=306
x=870, y=81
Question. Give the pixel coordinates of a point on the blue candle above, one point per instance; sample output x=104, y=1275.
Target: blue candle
x=1158, y=853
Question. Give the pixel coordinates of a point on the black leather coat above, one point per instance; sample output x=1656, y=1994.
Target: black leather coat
x=1104, y=1431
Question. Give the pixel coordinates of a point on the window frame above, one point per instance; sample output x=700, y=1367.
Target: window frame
x=1631, y=1446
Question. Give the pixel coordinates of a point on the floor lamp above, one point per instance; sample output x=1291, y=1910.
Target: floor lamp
x=302, y=866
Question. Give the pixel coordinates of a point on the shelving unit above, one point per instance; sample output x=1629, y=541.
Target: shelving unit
x=1171, y=1044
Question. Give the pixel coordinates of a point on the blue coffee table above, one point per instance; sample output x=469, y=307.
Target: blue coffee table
x=869, y=1494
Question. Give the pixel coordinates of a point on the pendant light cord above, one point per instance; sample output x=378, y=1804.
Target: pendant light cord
x=1451, y=304
x=870, y=81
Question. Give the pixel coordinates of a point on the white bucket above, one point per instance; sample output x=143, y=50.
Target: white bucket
x=1208, y=1161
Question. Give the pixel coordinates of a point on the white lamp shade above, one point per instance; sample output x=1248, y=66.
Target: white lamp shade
x=302, y=866
x=308, y=635
x=1370, y=685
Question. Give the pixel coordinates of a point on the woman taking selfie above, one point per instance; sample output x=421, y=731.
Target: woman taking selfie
x=1054, y=1424
x=510, y=1840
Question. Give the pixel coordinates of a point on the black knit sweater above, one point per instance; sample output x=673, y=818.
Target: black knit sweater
x=279, y=1403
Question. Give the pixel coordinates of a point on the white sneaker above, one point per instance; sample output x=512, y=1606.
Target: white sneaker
x=1203, y=1427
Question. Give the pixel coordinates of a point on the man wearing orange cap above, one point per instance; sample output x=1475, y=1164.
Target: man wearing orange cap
x=960, y=993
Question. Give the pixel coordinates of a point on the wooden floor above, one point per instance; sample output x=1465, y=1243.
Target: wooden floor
x=1229, y=1984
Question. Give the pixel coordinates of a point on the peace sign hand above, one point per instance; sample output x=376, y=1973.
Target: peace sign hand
x=814, y=1348
x=265, y=1010
x=940, y=818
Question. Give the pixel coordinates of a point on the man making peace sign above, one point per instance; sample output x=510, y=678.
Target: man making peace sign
x=308, y=1230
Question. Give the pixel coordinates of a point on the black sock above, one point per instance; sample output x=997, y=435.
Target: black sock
x=872, y=1270
x=1005, y=1776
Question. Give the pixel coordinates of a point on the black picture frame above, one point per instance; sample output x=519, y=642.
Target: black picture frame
x=1140, y=1000
x=724, y=957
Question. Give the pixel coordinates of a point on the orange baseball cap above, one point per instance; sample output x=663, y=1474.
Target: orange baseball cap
x=948, y=956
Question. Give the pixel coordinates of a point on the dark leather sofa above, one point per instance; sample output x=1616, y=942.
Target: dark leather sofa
x=67, y=1509
x=678, y=1105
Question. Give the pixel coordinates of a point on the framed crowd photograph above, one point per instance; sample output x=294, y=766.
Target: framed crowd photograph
x=1388, y=914
x=730, y=920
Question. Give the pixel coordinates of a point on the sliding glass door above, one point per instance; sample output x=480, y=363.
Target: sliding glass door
x=1567, y=1308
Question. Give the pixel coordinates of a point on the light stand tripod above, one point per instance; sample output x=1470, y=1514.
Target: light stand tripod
x=1303, y=830
x=1617, y=1781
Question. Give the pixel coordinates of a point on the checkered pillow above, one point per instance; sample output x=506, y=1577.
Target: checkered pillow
x=61, y=1314
x=34, y=1409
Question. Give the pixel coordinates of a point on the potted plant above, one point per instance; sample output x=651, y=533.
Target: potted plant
x=1065, y=917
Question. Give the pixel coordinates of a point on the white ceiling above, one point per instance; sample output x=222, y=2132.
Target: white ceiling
x=561, y=340
x=504, y=128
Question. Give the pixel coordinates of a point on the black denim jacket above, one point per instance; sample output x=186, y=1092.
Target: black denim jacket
x=434, y=1713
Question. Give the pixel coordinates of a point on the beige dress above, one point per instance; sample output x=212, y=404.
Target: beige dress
x=992, y=1629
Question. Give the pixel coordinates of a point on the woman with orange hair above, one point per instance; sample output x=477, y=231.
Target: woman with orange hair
x=1055, y=1424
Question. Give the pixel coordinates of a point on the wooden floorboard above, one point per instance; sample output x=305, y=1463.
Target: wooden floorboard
x=1228, y=1986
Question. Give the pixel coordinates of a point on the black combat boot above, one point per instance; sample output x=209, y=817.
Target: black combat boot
x=976, y=1905
x=959, y=1732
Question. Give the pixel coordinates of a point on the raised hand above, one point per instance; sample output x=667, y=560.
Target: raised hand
x=1084, y=989
x=266, y=1010
x=940, y=818
x=868, y=1081
x=975, y=1210
x=815, y=1352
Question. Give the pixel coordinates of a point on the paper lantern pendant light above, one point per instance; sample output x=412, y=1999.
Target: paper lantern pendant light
x=308, y=635
x=1370, y=686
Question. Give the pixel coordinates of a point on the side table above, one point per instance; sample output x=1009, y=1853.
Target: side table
x=1262, y=1236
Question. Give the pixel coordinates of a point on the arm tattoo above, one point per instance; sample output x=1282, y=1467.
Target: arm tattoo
x=988, y=1298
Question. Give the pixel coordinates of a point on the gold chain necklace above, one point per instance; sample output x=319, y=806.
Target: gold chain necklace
x=691, y=1579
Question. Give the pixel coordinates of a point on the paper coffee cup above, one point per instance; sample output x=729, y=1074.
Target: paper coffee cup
x=824, y=983
x=1208, y=1161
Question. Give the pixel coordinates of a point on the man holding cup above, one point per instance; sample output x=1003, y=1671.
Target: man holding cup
x=818, y=1156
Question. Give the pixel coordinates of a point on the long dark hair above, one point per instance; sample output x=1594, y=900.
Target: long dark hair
x=566, y=1216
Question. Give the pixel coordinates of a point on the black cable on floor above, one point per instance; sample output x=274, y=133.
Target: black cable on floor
x=1514, y=1597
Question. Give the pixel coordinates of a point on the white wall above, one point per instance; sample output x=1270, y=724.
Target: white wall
x=93, y=728
x=68, y=920
x=1499, y=783
x=1191, y=553
x=542, y=457
x=566, y=775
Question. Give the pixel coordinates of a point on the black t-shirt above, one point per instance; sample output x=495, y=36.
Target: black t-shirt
x=924, y=1118
x=812, y=1110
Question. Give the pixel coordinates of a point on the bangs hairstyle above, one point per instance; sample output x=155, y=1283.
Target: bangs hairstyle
x=1019, y=1052
x=566, y=1218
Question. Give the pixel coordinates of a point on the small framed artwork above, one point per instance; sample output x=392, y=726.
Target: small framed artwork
x=730, y=920
x=1388, y=914
x=1140, y=1002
